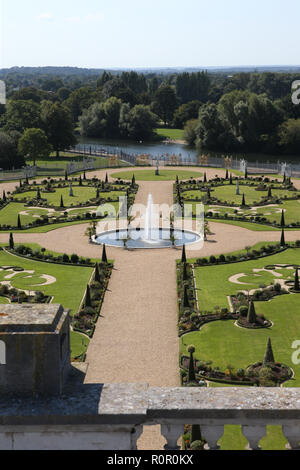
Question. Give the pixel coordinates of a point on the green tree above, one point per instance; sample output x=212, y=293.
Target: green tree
x=9, y=155
x=289, y=136
x=191, y=376
x=165, y=103
x=251, y=317
x=34, y=144
x=11, y=241
x=296, y=283
x=104, y=256
x=190, y=133
x=185, y=113
x=269, y=356
x=58, y=126
x=21, y=115
x=88, y=302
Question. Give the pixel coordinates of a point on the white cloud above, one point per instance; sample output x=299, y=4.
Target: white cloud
x=45, y=16
x=94, y=17
x=90, y=18
x=73, y=19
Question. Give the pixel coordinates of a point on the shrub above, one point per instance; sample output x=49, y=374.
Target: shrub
x=66, y=258
x=212, y=259
x=243, y=311
x=74, y=259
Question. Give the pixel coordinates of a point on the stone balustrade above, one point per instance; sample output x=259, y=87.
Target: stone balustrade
x=112, y=416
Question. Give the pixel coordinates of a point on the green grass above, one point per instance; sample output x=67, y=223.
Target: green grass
x=80, y=195
x=164, y=175
x=68, y=289
x=223, y=343
x=79, y=343
x=173, y=134
x=9, y=215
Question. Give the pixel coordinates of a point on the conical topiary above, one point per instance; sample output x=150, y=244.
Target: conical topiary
x=269, y=192
x=282, y=223
x=19, y=221
x=133, y=181
x=282, y=239
x=208, y=193
x=88, y=302
x=184, y=272
x=4, y=196
x=104, y=256
x=183, y=256
x=191, y=376
x=246, y=173
x=251, y=317
x=21, y=184
x=177, y=180
x=84, y=176
x=230, y=180
x=97, y=277
x=62, y=202
x=205, y=178
x=243, y=201
x=196, y=433
x=186, y=302
x=296, y=283
x=38, y=196
x=11, y=241
x=284, y=178
x=66, y=175
x=269, y=356
x=106, y=179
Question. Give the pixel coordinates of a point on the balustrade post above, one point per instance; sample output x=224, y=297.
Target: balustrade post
x=172, y=433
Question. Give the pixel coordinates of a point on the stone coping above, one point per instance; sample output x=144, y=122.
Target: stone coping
x=115, y=404
x=29, y=318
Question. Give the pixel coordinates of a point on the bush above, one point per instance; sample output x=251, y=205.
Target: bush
x=243, y=311
x=212, y=259
x=74, y=259
x=66, y=258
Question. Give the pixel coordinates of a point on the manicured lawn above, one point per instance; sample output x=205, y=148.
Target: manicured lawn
x=173, y=134
x=9, y=215
x=224, y=344
x=68, y=289
x=216, y=278
x=80, y=195
x=79, y=343
x=164, y=175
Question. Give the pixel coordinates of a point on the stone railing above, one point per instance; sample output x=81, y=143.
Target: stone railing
x=112, y=416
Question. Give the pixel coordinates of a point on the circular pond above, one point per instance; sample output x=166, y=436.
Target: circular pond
x=137, y=238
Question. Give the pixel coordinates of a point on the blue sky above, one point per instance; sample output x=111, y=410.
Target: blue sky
x=144, y=33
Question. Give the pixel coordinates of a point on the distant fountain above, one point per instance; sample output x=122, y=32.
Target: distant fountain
x=148, y=219
x=151, y=236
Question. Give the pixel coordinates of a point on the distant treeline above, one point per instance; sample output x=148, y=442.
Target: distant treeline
x=219, y=111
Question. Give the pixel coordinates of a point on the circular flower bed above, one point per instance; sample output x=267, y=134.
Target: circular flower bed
x=271, y=374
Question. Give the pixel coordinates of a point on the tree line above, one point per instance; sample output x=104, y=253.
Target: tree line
x=241, y=112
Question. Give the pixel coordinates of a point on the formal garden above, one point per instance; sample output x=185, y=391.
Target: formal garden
x=40, y=207
x=242, y=335
x=258, y=203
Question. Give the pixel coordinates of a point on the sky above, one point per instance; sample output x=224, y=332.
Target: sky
x=144, y=33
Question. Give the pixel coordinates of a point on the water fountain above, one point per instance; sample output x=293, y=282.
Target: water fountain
x=149, y=236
